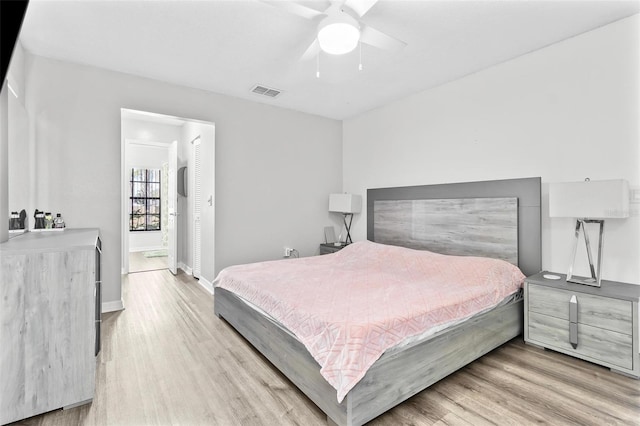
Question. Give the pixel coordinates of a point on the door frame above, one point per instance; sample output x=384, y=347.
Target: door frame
x=125, y=182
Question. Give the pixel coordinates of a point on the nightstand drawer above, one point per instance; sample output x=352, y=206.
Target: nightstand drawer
x=602, y=312
x=595, y=343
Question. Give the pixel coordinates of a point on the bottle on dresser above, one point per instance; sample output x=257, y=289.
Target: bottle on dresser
x=58, y=222
x=39, y=219
x=48, y=220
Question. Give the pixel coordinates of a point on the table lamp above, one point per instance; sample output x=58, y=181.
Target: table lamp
x=347, y=204
x=589, y=202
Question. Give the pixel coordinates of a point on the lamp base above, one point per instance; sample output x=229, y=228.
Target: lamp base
x=594, y=282
x=348, y=227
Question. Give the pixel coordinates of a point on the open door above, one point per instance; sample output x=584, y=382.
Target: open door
x=172, y=204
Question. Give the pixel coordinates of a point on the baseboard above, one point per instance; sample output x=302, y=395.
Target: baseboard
x=206, y=284
x=116, y=305
x=187, y=270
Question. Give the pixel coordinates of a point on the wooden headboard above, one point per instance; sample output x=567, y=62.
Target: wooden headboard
x=499, y=219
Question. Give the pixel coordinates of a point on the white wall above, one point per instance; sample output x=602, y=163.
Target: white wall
x=16, y=71
x=150, y=131
x=18, y=156
x=274, y=167
x=563, y=113
x=146, y=156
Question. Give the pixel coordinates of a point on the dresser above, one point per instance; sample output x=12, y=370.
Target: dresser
x=597, y=324
x=49, y=321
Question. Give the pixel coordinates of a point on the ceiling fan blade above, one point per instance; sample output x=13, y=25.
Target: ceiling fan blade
x=360, y=6
x=294, y=8
x=376, y=38
x=311, y=51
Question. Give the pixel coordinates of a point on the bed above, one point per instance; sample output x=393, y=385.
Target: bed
x=491, y=219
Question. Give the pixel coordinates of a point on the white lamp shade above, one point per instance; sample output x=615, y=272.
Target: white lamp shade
x=601, y=199
x=345, y=203
x=338, y=34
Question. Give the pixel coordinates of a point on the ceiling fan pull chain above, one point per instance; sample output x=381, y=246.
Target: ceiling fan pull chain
x=318, y=65
x=360, y=64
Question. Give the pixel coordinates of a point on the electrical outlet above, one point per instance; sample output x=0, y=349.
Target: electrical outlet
x=287, y=251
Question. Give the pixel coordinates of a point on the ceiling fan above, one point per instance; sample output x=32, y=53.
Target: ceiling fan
x=339, y=27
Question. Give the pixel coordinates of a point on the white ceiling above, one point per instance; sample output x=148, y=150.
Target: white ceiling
x=229, y=46
x=150, y=117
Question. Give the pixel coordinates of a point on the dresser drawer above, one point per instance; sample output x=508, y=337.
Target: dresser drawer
x=594, y=343
x=602, y=312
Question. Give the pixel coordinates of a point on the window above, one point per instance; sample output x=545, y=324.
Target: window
x=144, y=209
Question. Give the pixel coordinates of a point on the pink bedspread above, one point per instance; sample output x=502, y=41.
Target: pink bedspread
x=347, y=308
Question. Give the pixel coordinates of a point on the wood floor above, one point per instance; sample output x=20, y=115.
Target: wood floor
x=167, y=360
x=139, y=263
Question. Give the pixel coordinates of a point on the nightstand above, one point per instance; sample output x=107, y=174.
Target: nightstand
x=599, y=325
x=326, y=248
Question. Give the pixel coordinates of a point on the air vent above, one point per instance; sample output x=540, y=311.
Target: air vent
x=265, y=91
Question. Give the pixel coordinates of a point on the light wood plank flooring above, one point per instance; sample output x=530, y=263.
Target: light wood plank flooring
x=139, y=263
x=168, y=360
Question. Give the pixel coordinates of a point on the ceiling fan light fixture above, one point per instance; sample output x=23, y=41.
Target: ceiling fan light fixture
x=338, y=34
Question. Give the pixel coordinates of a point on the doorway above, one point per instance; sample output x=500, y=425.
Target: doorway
x=147, y=197
x=167, y=233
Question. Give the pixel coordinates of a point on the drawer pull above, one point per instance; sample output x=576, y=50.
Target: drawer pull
x=573, y=321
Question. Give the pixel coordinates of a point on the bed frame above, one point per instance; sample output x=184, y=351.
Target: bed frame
x=404, y=371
